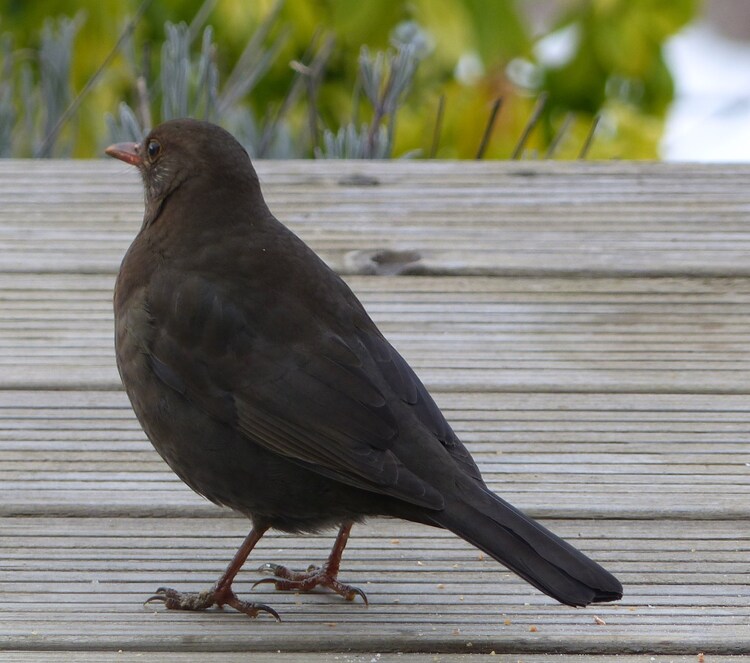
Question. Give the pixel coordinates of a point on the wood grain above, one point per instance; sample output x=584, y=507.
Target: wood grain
x=583, y=326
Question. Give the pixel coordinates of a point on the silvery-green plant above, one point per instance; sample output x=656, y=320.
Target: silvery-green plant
x=351, y=142
x=126, y=127
x=384, y=78
x=55, y=58
x=189, y=87
x=7, y=106
x=34, y=98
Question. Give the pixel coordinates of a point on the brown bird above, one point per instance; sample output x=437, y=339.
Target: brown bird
x=260, y=379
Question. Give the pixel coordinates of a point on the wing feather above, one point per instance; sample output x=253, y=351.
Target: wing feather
x=321, y=399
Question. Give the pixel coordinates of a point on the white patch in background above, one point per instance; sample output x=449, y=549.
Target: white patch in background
x=558, y=48
x=469, y=68
x=710, y=117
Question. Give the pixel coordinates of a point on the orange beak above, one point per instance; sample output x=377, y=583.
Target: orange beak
x=127, y=152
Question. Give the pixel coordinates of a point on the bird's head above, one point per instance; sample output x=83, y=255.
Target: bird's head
x=178, y=151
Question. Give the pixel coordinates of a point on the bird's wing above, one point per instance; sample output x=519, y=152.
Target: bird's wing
x=318, y=398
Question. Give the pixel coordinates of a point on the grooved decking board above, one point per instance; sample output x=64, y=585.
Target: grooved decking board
x=477, y=334
x=347, y=657
x=583, y=326
x=86, y=578
x=486, y=218
x=578, y=455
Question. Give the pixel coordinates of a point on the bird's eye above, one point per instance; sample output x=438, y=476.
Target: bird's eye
x=153, y=149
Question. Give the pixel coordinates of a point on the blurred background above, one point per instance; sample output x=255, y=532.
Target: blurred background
x=449, y=79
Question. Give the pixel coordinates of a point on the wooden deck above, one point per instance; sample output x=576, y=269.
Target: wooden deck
x=585, y=328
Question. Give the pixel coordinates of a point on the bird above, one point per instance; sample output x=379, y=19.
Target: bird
x=261, y=380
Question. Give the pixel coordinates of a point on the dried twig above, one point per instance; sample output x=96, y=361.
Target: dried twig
x=554, y=144
x=438, y=127
x=535, y=115
x=489, y=127
x=589, y=138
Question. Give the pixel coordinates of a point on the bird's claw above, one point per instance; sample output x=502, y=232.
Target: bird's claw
x=281, y=571
x=174, y=600
x=354, y=592
x=284, y=579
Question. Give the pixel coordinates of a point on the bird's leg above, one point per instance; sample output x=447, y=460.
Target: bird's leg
x=325, y=576
x=221, y=593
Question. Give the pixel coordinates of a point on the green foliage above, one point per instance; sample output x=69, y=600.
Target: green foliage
x=618, y=55
x=616, y=66
x=340, y=78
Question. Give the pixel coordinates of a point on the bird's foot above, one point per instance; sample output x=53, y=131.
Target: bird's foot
x=218, y=596
x=285, y=579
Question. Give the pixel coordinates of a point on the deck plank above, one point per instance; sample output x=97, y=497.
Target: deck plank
x=346, y=657
x=583, y=326
x=554, y=454
x=534, y=334
x=684, y=579
x=498, y=218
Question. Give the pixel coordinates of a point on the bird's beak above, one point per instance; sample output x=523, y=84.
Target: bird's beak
x=127, y=152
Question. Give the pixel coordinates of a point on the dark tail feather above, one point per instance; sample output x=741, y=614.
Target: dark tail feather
x=525, y=547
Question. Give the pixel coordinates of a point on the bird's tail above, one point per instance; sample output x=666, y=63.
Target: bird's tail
x=530, y=550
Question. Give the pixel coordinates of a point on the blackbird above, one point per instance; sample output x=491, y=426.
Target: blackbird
x=261, y=380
